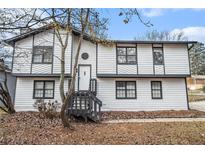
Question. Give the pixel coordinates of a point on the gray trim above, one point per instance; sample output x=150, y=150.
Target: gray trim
x=116, y=63
x=44, y=81
x=53, y=51
x=142, y=75
x=153, y=66
x=79, y=71
x=125, y=90
x=126, y=56
x=96, y=59
x=31, y=69
x=87, y=37
x=163, y=58
x=13, y=58
x=187, y=96
x=137, y=59
x=71, y=60
x=38, y=75
x=161, y=94
x=189, y=59
x=14, y=99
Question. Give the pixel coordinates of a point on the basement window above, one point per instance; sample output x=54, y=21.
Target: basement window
x=43, y=89
x=125, y=89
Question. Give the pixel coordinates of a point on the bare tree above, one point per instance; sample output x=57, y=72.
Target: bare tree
x=155, y=35
x=5, y=96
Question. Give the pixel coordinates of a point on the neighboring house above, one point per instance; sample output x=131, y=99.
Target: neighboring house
x=196, y=82
x=11, y=83
x=130, y=75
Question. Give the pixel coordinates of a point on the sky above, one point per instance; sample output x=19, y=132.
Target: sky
x=190, y=21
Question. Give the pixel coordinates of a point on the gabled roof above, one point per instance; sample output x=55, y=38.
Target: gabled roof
x=75, y=31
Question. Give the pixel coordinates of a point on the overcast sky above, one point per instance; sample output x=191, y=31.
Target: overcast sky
x=190, y=21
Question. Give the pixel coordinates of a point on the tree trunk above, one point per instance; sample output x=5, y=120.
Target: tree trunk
x=61, y=87
x=68, y=97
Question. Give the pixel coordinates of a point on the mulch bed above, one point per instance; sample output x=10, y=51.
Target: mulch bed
x=33, y=128
x=114, y=115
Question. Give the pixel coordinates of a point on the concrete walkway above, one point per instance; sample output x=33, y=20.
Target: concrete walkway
x=197, y=105
x=155, y=120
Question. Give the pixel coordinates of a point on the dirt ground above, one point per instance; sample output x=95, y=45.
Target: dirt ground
x=153, y=114
x=30, y=128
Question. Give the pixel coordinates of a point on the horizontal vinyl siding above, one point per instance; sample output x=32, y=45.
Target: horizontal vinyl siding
x=106, y=59
x=174, y=95
x=23, y=55
x=86, y=47
x=44, y=38
x=24, y=93
x=41, y=68
x=145, y=58
x=159, y=69
x=57, y=55
x=176, y=59
x=127, y=69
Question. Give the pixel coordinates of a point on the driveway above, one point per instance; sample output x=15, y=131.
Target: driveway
x=197, y=105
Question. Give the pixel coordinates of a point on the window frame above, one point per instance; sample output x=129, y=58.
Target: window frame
x=43, y=54
x=125, y=90
x=44, y=81
x=126, y=55
x=158, y=46
x=161, y=94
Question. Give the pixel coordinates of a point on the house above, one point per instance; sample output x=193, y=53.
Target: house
x=196, y=82
x=127, y=76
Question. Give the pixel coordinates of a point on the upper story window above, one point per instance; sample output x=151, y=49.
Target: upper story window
x=158, y=54
x=126, y=55
x=42, y=54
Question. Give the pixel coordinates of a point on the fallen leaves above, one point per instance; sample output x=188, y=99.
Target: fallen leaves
x=32, y=128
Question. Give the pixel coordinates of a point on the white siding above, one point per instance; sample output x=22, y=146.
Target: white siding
x=24, y=92
x=41, y=68
x=127, y=69
x=57, y=55
x=106, y=59
x=89, y=48
x=176, y=59
x=159, y=69
x=145, y=58
x=23, y=55
x=174, y=95
x=44, y=38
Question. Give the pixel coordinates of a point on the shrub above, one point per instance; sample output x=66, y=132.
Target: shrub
x=48, y=109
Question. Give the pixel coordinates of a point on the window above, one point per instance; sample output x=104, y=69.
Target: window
x=42, y=54
x=43, y=89
x=158, y=54
x=156, y=87
x=126, y=55
x=125, y=89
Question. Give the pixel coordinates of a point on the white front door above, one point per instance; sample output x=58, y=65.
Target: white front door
x=84, y=77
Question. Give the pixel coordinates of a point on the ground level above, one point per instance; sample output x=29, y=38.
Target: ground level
x=30, y=128
x=200, y=105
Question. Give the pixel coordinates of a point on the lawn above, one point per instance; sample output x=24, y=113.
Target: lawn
x=30, y=128
x=195, y=98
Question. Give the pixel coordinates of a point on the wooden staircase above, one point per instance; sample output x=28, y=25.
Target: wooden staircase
x=85, y=104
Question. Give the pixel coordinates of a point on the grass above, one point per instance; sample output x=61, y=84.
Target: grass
x=195, y=98
x=28, y=128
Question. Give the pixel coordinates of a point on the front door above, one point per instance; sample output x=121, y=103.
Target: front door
x=84, y=77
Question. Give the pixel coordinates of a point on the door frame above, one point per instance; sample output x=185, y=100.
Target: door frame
x=79, y=72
